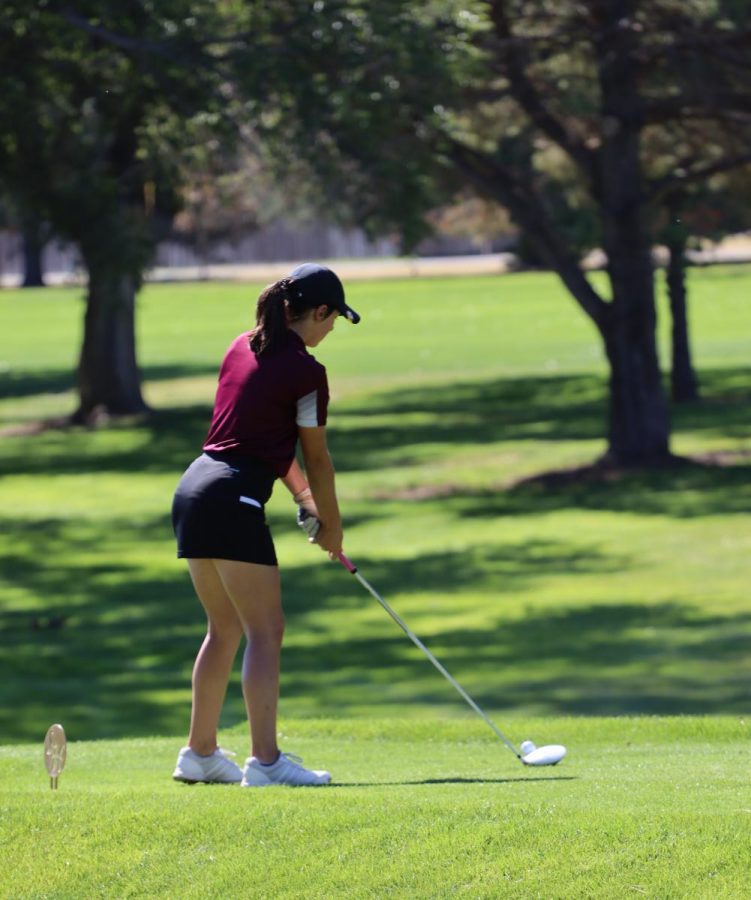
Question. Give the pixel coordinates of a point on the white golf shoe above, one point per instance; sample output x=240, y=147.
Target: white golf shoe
x=286, y=770
x=214, y=769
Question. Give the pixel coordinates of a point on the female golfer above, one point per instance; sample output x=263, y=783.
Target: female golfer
x=271, y=394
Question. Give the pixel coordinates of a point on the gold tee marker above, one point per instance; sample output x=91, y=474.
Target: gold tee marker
x=55, y=752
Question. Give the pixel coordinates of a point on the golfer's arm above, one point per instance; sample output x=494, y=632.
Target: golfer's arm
x=320, y=471
x=295, y=481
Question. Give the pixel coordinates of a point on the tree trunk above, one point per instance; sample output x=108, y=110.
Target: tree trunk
x=684, y=384
x=639, y=429
x=33, y=245
x=108, y=376
x=638, y=432
x=639, y=422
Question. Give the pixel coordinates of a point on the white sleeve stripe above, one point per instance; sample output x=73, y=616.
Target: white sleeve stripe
x=307, y=410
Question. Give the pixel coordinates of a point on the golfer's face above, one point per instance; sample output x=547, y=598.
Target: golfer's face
x=323, y=324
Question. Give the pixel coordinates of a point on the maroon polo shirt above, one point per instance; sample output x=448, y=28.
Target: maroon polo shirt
x=261, y=401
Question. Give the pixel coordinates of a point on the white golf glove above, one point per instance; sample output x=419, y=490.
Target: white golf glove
x=308, y=522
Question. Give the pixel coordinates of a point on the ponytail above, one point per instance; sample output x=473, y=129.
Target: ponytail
x=277, y=306
x=271, y=318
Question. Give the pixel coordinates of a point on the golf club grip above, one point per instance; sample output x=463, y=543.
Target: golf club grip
x=348, y=564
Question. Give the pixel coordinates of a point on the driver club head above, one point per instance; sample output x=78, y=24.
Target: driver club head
x=549, y=755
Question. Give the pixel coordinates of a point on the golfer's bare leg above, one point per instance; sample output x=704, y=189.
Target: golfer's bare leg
x=255, y=592
x=213, y=664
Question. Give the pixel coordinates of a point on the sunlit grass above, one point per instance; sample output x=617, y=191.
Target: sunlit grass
x=574, y=611
x=418, y=808
x=623, y=596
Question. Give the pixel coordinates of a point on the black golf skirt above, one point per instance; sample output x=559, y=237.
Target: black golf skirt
x=217, y=510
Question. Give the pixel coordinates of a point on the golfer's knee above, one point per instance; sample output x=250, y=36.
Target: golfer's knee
x=269, y=633
x=225, y=636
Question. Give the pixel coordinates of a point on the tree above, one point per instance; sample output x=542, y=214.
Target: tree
x=228, y=191
x=394, y=107
x=710, y=210
x=34, y=233
x=97, y=107
x=402, y=99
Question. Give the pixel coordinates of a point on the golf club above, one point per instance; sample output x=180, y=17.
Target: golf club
x=529, y=754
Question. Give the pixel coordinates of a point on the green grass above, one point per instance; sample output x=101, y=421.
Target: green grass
x=641, y=807
x=630, y=596
x=604, y=609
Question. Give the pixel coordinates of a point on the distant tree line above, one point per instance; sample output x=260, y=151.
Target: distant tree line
x=590, y=123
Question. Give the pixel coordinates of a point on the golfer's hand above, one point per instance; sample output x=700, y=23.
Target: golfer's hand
x=329, y=539
x=308, y=521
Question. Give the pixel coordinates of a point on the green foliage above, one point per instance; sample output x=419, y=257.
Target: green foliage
x=96, y=109
x=373, y=97
x=352, y=89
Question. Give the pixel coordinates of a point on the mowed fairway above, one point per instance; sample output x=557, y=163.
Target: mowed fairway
x=657, y=808
x=611, y=616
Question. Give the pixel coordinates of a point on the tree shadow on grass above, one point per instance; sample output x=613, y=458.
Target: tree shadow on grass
x=113, y=645
x=165, y=442
x=477, y=412
x=600, y=659
x=390, y=428
x=14, y=385
x=394, y=428
x=686, y=491
x=17, y=384
x=530, y=408
x=564, y=408
x=502, y=569
x=111, y=650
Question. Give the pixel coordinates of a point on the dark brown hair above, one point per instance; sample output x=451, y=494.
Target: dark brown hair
x=277, y=305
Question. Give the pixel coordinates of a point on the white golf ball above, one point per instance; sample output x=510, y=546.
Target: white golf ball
x=527, y=747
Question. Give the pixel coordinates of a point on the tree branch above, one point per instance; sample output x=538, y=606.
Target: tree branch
x=491, y=179
x=717, y=105
x=660, y=186
x=170, y=49
x=706, y=39
x=131, y=45
x=528, y=97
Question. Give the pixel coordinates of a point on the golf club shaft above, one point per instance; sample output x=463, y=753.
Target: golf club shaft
x=352, y=568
